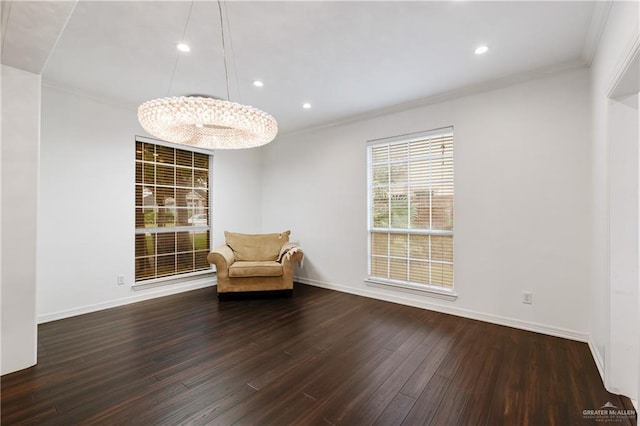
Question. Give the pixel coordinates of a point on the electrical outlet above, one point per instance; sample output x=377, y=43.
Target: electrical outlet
x=120, y=279
x=527, y=297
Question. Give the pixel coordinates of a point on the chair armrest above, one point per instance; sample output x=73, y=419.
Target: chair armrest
x=222, y=257
x=295, y=257
x=290, y=253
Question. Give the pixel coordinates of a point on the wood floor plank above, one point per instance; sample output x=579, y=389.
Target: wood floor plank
x=368, y=411
x=428, y=402
x=396, y=411
x=401, y=366
x=318, y=358
x=424, y=373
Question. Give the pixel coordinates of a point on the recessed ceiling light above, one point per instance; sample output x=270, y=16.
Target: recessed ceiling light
x=183, y=47
x=306, y=105
x=481, y=49
x=258, y=83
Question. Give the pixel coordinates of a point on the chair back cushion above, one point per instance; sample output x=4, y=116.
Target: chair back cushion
x=256, y=247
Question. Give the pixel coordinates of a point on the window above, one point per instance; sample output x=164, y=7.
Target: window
x=172, y=211
x=410, y=197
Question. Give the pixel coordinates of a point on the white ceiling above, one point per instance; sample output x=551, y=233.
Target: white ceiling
x=347, y=59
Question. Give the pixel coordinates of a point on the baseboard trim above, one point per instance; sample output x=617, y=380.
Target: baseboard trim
x=138, y=297
x=465, y=313
x=597, y=358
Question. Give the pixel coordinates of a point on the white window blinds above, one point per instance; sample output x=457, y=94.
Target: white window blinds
x=172, y=211
x=410, y=191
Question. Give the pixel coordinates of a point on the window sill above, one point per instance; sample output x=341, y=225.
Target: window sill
x=174, y=279
x=425, y=290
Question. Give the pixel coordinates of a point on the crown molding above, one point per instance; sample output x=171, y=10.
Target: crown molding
x=625, y=80
x=89, y=96
x=596, y=26
x=487, y=86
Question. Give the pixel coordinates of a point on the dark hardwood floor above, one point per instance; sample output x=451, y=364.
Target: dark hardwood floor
x=319, y=357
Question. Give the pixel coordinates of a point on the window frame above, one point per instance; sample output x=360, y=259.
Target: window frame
x=407, y=286
x=178, y=277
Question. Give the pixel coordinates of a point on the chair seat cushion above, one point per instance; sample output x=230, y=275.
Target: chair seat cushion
x=255, y=269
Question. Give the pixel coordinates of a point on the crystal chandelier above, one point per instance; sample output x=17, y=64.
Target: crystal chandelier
x=207, y=122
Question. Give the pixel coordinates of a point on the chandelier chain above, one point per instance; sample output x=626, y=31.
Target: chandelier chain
x=231, y=52
x=224, y=53
x=184, y=34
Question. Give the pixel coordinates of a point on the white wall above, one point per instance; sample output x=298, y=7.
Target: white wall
x=624, y=193
x=521, y=208
x=86, y=215
x=619, y=34
x=20, y=144
x=237, y=192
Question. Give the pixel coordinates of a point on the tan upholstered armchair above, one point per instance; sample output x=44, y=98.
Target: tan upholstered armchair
x=262, y=262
